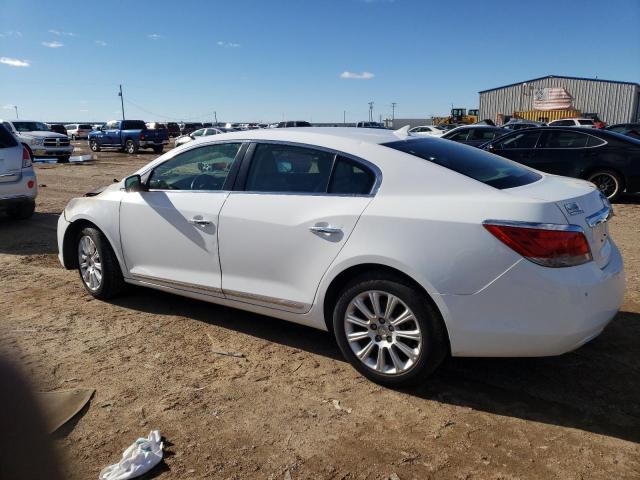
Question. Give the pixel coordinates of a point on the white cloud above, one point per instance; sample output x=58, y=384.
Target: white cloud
x=62, y=33
x=10, y=33
x=84, y=110
x=228, y=44
x=14, y=62
x=54, y=44
x=154, y=36
x=9, y=107
x=101, y=43
x=357, y=76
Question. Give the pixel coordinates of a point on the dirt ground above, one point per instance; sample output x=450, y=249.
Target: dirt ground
x=293, y=408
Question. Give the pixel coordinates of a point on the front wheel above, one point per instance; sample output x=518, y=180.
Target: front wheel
x=94, y=145
x=97, y=264
x=608, y=182
x=73, y=137
x=388, y=330
x=130, y=147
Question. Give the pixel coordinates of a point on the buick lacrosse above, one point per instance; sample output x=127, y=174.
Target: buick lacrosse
x=407, y=249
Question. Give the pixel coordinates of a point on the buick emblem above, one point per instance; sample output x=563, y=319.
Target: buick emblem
x=573, y=208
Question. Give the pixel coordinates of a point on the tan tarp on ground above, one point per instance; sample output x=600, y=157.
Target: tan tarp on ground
x=61, y=406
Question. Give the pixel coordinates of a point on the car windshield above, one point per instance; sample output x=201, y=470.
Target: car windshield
x=30, y=127
x=472, y=162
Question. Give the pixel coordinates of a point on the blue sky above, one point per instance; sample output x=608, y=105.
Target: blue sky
x=265, y=60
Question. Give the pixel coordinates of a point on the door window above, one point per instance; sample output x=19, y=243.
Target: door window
x=459, y=136
x=485, y=134
x=349, y=178
x=564, y=139
x=112, y=125
x=524, y=139
x=203, y=168
x=285, y=168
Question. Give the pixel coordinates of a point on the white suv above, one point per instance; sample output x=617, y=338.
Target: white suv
x=40, y=140
x=18, y=185
x=78, y=130
x=573, y=122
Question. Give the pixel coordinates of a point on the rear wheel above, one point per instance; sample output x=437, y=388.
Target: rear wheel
x=63, y=158
x=158, y=150
x=97, y=264
x=130, y=147
x=94, y=145
x=608, y=182
x=388, y=330
x=22, y=210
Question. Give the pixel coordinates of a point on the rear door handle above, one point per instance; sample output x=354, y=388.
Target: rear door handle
x=328, y=229
x=199, y=221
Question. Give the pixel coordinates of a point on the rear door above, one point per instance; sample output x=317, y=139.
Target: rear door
x=518, y=146
x=10, y=157
x=561, y=152
x=295, y=209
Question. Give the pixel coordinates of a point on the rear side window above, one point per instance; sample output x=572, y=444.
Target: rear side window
x=563, y=140
x=285, y=168
x=133, y=125
x=594, y=141
x=484, y=167
x=7, y=140
x=485, y=134
x=562, y=123
x=349, y=178
x=526, y=139
x=585, y=122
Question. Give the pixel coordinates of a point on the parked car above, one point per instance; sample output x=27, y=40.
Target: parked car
x=78, y=130
x=609, y=160
x=573, y=122
x=203, y=132
x=333, y=228
x=58, y=128
x=426, y=130
x=97, y=126
x=629, y=129
x=174, y=129
x=369, y=125
x=18, y=184
x=448, y=126
x=187, y=128
x=474, y=135
x=290, y=124
x=41, y=142
x=522, y=124
x=156, y=126
x=128, y=135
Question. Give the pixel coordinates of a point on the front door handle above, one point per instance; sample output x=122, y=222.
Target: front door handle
x=328, y=229
x=199, y=221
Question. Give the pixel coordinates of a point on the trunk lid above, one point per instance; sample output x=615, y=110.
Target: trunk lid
x=581, y=204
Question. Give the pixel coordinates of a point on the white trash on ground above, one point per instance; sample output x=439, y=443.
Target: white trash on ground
x=139, y=458
x=80, y=158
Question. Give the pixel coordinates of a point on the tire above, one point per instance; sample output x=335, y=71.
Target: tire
x=109, y=282
x=131, y=147
x=428, y=347
x=608, y=182
x=22, y=210
x=73, y=137
x=64, y=158
x=94, y=145
x=158, y=150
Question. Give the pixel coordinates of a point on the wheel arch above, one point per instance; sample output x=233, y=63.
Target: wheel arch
x=341, y=279
x=596, y=168
x=69, y=256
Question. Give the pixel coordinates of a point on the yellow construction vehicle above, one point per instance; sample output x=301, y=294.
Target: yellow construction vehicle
x=458, y=115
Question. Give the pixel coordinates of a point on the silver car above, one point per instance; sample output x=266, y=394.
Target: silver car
x=18, y=185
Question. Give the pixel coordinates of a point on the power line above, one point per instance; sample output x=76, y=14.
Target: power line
x=165, y=117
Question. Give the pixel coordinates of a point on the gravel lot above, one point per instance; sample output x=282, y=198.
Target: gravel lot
x=293, y=408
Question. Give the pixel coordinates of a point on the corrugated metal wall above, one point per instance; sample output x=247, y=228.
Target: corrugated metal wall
x=613, y=102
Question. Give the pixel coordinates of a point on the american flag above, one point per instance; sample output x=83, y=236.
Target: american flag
x=551, y=99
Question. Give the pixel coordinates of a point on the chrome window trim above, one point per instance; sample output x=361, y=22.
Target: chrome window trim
x=599, y=217
x=540, y=226
x=365, y=163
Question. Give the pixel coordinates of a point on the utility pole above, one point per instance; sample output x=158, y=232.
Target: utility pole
x=16, y=107
x=393, y=111
x=215, y=115
x=371, y=111
x=344, y=118
x=121, y=101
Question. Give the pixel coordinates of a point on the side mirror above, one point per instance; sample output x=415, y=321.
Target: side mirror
x=134, y=184
x=490, y=147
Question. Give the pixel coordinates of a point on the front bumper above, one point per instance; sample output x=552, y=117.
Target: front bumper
x=52, y=152
x=534, y=311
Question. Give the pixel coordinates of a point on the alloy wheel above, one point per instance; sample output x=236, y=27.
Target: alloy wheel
x=606, y=183
x=383, y=332
x=90, y=264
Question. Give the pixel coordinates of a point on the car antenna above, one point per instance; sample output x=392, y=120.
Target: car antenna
x=403, y=132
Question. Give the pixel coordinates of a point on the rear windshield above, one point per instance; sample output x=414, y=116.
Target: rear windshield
x=6, y=139
x=472, y=162
x=84, y=126
x=133, y=125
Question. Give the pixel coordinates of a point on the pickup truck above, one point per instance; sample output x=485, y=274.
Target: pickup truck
x=128, y=135
x=39, y=140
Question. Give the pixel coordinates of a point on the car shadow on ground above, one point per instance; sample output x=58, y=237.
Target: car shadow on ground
x=594, y=388
x=628, y=199
x=36, y=235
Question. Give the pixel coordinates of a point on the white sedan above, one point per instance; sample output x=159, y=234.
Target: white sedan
x=203, y=132
x=407, y=249
x=427, y=130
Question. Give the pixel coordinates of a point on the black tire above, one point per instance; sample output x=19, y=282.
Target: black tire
x=73, y=137
x=158, y=150
x=64, y=158
x=131, y=147
x=22, y=210
x=94, y=145
x=610, y=183
x=435, y=344
x=112, y=282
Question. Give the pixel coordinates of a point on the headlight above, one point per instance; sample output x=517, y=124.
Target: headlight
x=37, y=141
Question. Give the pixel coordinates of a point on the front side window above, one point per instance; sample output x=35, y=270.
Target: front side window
x=525, y=139
x=112, y=125
x=563, y=140
x=198, y=133
x=286, y=168
x=459, y=136
x=485, y=134
x=203, y=168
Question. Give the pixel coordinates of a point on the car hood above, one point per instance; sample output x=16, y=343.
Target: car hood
x=41, y=135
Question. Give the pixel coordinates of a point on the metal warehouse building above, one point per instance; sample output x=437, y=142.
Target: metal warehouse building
x=552, y=97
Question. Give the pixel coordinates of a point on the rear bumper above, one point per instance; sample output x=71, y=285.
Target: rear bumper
x=533, y=311
x=153, y=143
x=19, y=190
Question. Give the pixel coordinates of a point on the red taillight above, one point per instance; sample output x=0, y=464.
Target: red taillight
x=26, y=157
x=142, y=136
x=547, y=245
x=31, y=184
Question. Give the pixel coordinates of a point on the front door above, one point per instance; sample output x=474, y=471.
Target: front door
x=280, y=234
x=169, y=234
x=518, y=146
